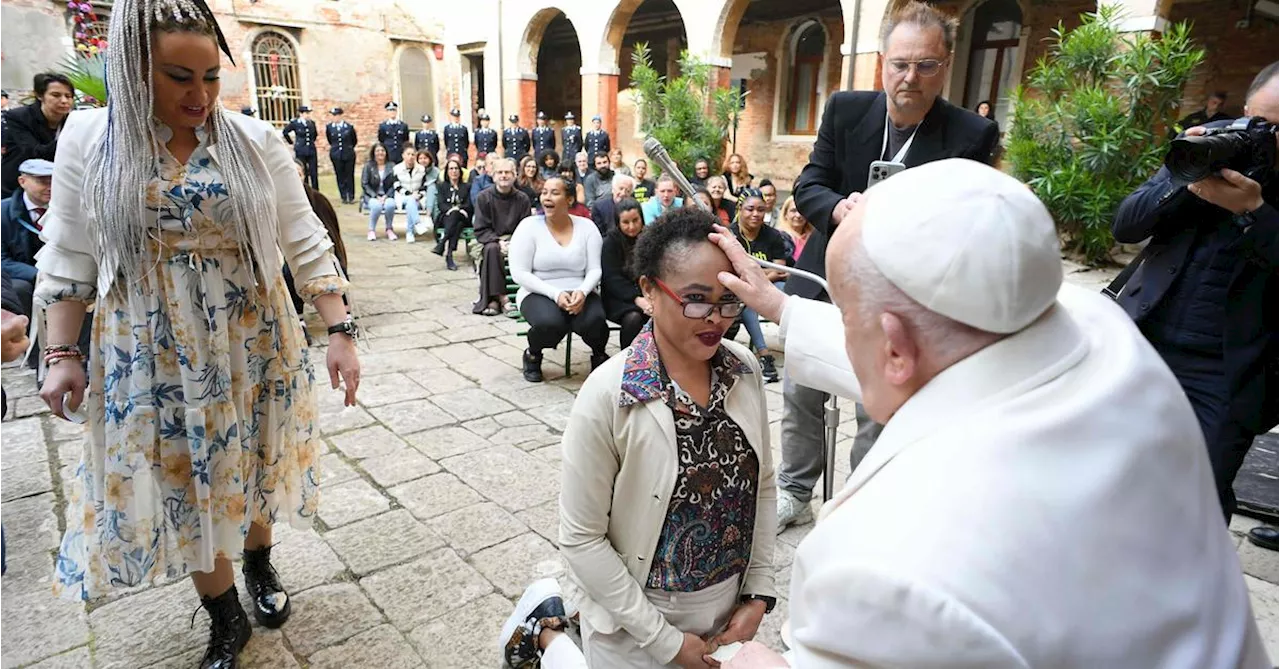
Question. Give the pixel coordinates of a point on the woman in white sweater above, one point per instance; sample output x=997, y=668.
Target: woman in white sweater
x=409, y=175
x=555, y=258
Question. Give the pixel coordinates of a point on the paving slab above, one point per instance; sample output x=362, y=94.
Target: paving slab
x=434, y=495
x=381, y=541
x=382, y=647
x=435, y=585
x=328, y=615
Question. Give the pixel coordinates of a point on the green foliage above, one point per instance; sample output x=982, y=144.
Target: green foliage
x=1090, y=125
x=688, y=114
x=88, y=74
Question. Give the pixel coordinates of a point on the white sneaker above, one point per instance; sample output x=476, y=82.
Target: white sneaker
x=540, y=606
x=373, y=236
x=792, y=511
x=409, y=237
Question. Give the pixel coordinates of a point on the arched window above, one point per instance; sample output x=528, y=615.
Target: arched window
x=997, y=30
x=802, y=78
x=415, y=86
x=276, y=85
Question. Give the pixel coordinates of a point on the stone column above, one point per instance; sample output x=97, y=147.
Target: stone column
x=519, y=96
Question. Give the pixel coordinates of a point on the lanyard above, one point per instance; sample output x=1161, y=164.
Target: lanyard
x=884, y=144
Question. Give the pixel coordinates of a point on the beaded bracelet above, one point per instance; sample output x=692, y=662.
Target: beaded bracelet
x=62, y=348
x=54, y=357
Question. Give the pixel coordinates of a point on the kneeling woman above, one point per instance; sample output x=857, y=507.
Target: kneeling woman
x=555, y=258
x=667, y=506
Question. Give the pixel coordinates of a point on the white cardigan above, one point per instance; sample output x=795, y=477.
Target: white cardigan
x=70, y=250
x=541, y=266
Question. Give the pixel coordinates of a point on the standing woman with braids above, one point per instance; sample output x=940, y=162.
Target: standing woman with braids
x=169, y=218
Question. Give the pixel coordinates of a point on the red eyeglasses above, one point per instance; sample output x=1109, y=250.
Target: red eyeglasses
x=701, y=310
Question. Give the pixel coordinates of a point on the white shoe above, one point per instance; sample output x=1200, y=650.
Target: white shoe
x=391, y=235
x=540, y=605
x=792, y=511
x=409, y=237
x=373, y=236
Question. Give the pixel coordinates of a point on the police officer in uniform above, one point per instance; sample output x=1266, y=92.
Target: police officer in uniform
x=597, y=139
x=544, y=136
x=427, y=139
x=301, y=133
x=342, y=151
x=486, y=137
x=457, y=139
x=571, y=136
x=515, y=140
x=393, y=133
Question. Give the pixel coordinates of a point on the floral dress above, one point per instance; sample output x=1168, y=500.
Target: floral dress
x=202, y=417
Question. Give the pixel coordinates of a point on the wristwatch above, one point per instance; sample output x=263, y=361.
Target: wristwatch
x=769, y=602
x=347, y=327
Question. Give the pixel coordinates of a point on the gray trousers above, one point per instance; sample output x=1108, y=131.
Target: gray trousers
x=802, y=439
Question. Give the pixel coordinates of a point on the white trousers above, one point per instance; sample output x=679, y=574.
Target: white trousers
x=703, y=612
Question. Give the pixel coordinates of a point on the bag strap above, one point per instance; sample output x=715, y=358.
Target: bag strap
x=1117, y=285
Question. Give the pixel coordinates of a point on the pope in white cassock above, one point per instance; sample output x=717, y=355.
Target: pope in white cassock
x=1040, y=496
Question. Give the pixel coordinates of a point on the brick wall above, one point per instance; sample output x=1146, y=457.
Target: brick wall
x=1233, y=56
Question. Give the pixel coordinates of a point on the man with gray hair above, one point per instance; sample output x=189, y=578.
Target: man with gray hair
x=498, y=211
x=605, y=210
x=1040, y=495
x=909, y=123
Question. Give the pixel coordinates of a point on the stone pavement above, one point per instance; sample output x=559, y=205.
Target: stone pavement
x=438, y=505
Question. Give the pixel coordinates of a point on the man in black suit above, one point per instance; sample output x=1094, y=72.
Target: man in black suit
x=907, y=123
x=1213, y=111
x=1204, y=293
x=301, y=133
x=342, y=151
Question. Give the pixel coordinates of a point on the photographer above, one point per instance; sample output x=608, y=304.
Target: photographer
x=1205, y=293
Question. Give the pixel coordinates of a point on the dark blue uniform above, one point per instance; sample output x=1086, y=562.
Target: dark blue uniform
x=571, y=138
x=342, y=151
x=486, y=140
x=597, y=141
x=516, y=143
x=544, y=139
x=393, y=134
x=457, y=139
x=302, y=135
x=428, y=140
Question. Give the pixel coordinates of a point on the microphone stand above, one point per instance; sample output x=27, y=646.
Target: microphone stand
x=831, y=410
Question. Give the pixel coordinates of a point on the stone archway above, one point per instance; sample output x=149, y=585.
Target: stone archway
x=663, y=25
x=527, y=59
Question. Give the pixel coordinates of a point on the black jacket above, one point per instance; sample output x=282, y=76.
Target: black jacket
x=26, y=135
x=618, y=286
x=21, y=242
x=342, y=140
x=302, y=135
x=450, y=198
x=850, y=138
x=1175, y=221
x=374, y=184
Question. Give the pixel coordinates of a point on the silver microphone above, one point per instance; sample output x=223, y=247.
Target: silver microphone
x=658, y=154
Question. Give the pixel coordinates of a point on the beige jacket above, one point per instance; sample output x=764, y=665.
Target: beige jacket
x=619, y=468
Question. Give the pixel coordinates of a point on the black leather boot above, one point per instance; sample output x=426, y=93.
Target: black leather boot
x=532, y=366
x=229, y=630
x=270, y=601
x=438, y=249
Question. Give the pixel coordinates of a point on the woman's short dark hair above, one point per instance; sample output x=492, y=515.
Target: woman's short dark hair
x=763, y=183
x=670, y=236
x=567, y=165
x=628, y=204
x=41, y=82
x=542, y=159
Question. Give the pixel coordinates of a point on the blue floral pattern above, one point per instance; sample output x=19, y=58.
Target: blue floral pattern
x=201, y=410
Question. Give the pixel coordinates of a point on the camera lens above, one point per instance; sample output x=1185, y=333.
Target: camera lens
x=1194, y=158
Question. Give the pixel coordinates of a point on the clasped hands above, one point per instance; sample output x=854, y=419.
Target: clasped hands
x=571, y=301
x=695, y=652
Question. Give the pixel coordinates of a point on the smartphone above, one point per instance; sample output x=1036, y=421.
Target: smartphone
x=881, y=170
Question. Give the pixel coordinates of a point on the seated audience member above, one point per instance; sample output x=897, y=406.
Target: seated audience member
x=528, y=180
x=480, y=179
x=576, y=207
x=770, y=193
x=795, y=226
x=736, y=177
x=555, y=258
x=498, y=211
x=644, y=187
x=454, y=202
x=664, y=199
x=31, y=130
x=721, y=204
x=765, y=243
x=428, y=194
x=378, y=181
x=605, y=211
x=409, y=178
x=581, y=165
x=598, y=182
x=623, y=302
x=701, y=172
x=701, y=200
x=617, y=164
x=548, y=164
x=21, y=227
x=667, y=505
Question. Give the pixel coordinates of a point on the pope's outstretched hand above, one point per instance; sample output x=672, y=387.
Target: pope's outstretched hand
x=748, y=280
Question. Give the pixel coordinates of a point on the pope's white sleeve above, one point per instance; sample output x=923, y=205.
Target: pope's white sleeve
x=813, y=333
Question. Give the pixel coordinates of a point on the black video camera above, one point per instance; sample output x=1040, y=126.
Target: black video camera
x=1247, y=145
